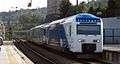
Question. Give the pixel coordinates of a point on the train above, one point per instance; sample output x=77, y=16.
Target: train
x=80, y=33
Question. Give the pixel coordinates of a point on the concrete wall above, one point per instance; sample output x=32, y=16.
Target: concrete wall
x=111, y=30
x=112, y=22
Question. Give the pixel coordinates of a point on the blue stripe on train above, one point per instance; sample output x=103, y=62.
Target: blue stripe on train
x=86, y=17
x=59, y=32
x=87, y=20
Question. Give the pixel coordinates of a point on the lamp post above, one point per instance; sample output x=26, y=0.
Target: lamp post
x=76, y=6
x=9, y=29
x=30, y=3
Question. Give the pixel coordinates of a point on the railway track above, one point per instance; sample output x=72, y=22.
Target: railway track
x=71, y=56
x=36, y=50
x=36, y=57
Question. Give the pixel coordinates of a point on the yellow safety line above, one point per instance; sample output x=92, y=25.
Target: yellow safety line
x=10, y=56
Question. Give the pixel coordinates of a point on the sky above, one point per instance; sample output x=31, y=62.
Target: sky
x=10, y=5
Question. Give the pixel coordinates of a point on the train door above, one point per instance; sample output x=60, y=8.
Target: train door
x=46, y=35
x=68, y=33
x=43, y=37
x=39, y=35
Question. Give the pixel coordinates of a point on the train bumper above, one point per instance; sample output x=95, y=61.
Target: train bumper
x=88, y=48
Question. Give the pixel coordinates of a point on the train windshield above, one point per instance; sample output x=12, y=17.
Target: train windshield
x=88, y=29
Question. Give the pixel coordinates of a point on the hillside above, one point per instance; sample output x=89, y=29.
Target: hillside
x=14, y=15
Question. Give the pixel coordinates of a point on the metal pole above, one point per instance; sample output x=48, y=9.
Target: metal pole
x=9, y=29
x=55, y=6
x=76, y=6
x=88, y=1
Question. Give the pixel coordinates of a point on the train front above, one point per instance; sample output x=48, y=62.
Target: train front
x=88, y=35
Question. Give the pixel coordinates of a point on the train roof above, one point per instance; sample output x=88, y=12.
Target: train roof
x=57, y=21
x=41, y=26
x=86, y=15
x=83, y=17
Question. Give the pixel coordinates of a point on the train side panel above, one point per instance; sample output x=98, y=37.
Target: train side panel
x=57, y=35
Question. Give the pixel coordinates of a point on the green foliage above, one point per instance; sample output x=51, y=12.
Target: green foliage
x=111, y=8
x=30, y=19
x=83, y=7
x=103, y=7
x=14, y=15
x=98, y=8
x=7, y=36
x=71, y=11
x=111, y=4
x=65, y=6
x=92, y=11
x=94, y=7
x=24, y=19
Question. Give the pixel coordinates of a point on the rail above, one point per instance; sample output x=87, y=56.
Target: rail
x=41, y=56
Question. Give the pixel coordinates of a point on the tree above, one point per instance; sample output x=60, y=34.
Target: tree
x=71, y=11
x=111, y=4
x=64, y=8
x=83, y=7
x=101, y=10
x=92, y=11
x=30, y=20
x=111, y=8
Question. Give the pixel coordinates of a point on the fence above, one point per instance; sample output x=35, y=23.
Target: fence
x=111, y=36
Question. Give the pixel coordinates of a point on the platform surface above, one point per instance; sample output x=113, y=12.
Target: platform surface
x=112, y=47
x=8, y=54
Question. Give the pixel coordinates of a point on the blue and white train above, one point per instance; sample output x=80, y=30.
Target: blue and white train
x=81, y=33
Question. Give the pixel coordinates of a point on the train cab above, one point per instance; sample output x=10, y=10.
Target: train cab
x=87, y=34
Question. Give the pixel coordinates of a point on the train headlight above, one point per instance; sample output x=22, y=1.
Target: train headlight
x=81, y=40
x=96, y=41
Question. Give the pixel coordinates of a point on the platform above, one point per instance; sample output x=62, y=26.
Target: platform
x=9, y=54
x=112, y=48
x=112, y=53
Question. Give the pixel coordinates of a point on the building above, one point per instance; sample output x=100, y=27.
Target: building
x=52, y=10
x=53, y=6
x=111, y=30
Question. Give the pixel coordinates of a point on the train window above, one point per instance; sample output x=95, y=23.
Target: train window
x=70, y=30
x=88, y=29
x=44, y=31
x=54, y=26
